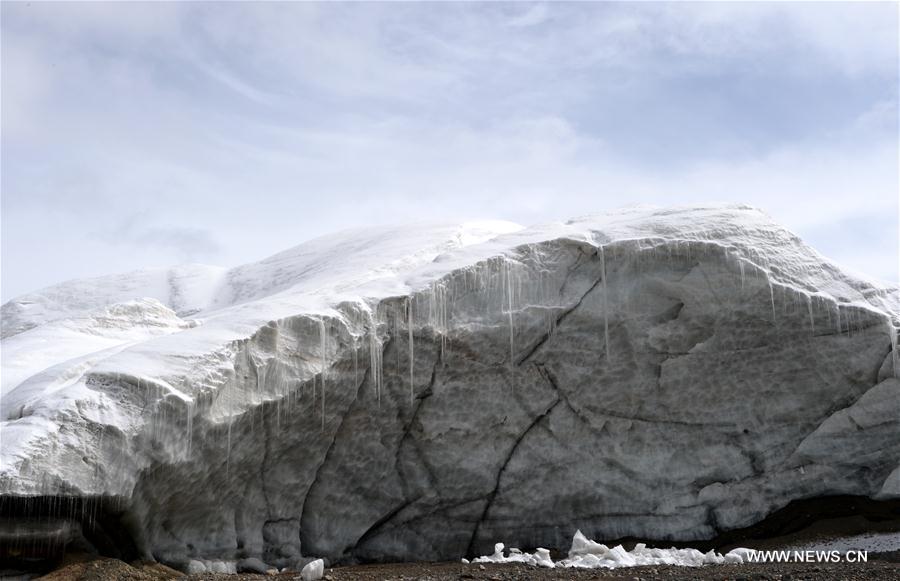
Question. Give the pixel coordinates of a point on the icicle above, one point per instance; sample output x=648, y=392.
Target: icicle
x=409, y=324
x=741, y=268
x=260, y=377
x=324, y=365
x=190, y=426
x=839, y=326
x=605, y=303
x=437, y=314
x=396, y=337
x=893, y=332
x=436, y=305
x=278, y=414
x=509, y=300
x=375, y=357
x=355, y=364
x=772, y=299
x=812, y=319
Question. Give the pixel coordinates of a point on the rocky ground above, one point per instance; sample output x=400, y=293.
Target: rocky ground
x=881, y=566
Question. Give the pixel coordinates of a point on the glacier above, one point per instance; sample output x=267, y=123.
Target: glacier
x=417, y=392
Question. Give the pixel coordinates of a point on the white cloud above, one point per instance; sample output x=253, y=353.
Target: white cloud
x=26, y=83
x=278, y=122
x=825, y=30
x=531, y=17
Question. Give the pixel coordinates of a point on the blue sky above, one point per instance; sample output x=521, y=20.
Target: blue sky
x=151, y=134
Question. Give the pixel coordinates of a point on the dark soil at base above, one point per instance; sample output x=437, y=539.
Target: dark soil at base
x=885, y=566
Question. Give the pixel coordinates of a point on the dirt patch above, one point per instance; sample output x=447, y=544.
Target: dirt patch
x=876, y=568
x=509, y=572
x=111, y=570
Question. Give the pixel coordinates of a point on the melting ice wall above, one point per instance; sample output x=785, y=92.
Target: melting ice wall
x=659, y=374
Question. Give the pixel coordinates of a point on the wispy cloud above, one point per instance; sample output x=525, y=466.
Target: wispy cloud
x=188, y=243
x=277, y=122
x=531, y=16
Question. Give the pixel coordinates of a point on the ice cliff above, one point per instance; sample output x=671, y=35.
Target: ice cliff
x=421, y=392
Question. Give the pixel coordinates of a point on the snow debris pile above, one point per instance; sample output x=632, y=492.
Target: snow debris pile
x=196, y=567
x=313, y=570
x=587, y=554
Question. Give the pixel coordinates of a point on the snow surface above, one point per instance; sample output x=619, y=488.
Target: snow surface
x=54, y=337
x=176, y=328
x=587, y=554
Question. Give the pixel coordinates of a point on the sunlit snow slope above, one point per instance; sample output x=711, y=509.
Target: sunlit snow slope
x=421, y=391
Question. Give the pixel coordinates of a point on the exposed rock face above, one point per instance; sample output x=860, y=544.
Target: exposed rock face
x=658, y=374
